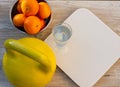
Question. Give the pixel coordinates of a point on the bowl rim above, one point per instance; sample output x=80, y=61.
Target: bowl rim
x=10, y=11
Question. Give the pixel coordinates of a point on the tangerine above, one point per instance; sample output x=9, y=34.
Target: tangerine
x=44, y=10
x=42, y=23
x=18, y=19
x=29, y=7
x=32, y=25
x=19, y=6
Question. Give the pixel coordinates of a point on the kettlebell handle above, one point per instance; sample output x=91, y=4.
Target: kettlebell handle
x=27, y=51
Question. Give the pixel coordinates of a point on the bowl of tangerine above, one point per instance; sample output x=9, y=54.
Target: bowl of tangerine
x=30, y=16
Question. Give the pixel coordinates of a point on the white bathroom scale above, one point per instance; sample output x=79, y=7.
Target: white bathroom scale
x=90, y=52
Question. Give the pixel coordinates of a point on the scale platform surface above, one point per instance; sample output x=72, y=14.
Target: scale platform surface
x=90, y=52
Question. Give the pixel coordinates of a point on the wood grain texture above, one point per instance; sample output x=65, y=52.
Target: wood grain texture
x=107, y=11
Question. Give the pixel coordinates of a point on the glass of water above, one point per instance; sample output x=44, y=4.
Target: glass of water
x=61, y=34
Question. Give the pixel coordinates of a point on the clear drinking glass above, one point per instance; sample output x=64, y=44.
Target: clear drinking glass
x=61, y=34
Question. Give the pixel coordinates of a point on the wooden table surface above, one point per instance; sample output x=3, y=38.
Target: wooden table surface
x=107, y=11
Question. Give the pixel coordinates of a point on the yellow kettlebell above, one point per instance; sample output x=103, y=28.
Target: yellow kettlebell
x=28, y=62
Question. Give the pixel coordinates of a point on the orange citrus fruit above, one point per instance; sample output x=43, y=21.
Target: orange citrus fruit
x=19, y=6
x=42, y=23
x=29, y=7
x=18, y=20
x=44, y=10
x=32, y=25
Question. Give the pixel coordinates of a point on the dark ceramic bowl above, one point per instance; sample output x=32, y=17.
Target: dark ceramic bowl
x=13, y=12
